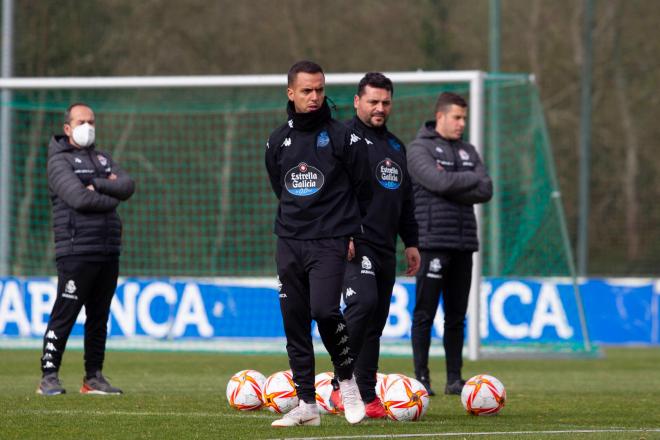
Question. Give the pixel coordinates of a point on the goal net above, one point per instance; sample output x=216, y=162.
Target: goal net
x=203, y=206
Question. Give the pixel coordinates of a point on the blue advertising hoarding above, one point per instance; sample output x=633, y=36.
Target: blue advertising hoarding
x=618, y=311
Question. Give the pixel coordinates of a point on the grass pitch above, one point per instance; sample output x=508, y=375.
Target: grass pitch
x=182, y=396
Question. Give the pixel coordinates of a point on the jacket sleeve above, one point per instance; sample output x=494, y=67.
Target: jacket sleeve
x=121, y=188
x=408, y=228
x=482, y=193
x=274, y=172
x=68, y=187
x=422, y=167
x=356, y=161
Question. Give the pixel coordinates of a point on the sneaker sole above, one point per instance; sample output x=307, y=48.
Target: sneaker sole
x=85, y=390
x=311, y=422
x=53, y=393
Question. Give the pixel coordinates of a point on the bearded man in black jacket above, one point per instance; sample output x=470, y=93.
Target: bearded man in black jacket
x=85, y=187
x=317, y=172
x=371, y=271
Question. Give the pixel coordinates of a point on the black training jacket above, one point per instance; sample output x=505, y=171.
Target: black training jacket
x=85, y=222
x=392, y=208
x=448, y=179
x=319, y=172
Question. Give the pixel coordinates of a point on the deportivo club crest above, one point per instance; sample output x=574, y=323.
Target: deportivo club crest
x=102, y=160
x=70, y=287
x=322, y=140
x=303, y=180
x=434, y=265
x=366, y=263
x=389, y=174
x=463, y=154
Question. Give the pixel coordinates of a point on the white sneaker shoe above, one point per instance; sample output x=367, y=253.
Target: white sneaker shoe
x=303, y=414
x=353, y=406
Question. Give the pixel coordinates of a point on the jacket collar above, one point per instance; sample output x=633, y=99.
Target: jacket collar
x=308, y=121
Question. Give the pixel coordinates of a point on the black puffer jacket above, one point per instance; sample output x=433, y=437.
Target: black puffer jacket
x=448, y=179
x=85, y=222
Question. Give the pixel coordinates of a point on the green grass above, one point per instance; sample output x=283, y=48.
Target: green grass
x=182, y=395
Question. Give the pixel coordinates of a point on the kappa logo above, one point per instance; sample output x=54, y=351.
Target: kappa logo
x=340, y=328
x=322, y=140
x=347, y=362
x=47, y=357
x=77, y=160
x=49, y=364
x=345, y=351
x=50, y=347
x=368, y=141
x=439, y=150
x=102, y=160
x=343, y=340
x=350, y=292
x=267, y=145
x=51, y=335
x=290, y=122
x=287, y=142
x=283, y=295
x=70, y=287
x=354, y=138
x=463, y=154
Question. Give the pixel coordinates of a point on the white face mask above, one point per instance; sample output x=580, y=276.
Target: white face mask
x=83, y=135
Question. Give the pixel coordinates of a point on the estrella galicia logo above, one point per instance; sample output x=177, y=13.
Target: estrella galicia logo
x=394, y=144
x=322, y=140
x=389, y=174
x=303, y=180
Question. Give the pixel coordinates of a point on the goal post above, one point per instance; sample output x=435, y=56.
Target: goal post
x=180, y=133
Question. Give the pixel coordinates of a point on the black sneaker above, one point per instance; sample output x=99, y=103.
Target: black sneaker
x=427, y=384
x=50, y=385
x=455, y=387
x=98, y=385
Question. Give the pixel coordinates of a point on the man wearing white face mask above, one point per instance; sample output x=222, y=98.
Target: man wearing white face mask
x=85, y=187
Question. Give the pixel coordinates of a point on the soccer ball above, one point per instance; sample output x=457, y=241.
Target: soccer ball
x=323, y=385
x=483, y=395
x=379, y=385
x=279, y=392
x=244, y=390
x=405, y=399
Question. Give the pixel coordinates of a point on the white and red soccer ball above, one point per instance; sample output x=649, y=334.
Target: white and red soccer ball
x=244, y=390
x=323, y=385
x=483, y=395
x=405, y=399
x=279, y=392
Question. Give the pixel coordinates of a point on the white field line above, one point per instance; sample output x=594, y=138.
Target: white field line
x=96, y=413
x=470, y=434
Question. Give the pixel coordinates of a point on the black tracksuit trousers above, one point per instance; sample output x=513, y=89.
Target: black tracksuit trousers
x=79, y=283
x=311, y=274
x=367, y=294
x=448, y=273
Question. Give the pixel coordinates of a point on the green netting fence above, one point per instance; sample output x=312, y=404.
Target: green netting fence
x=203, y=205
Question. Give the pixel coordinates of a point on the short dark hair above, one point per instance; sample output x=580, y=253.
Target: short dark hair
x=447, y=99
x=67, y=112
x=304, y=66
x=376, y=80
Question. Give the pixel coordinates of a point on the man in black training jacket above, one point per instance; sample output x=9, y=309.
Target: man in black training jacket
x=316, y=171
x=371, y=271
